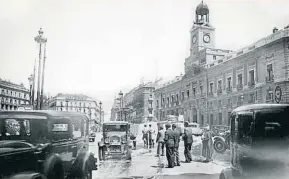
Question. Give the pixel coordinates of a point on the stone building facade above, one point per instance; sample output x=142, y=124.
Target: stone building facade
x=138, y=103
x=216, y=83
x=13, y=96
x=76, y=103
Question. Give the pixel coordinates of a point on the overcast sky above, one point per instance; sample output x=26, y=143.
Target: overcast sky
x=98, y=47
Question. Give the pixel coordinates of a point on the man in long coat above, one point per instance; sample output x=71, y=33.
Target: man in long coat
x=177, y=133
x=170, y=145
x=188, y=142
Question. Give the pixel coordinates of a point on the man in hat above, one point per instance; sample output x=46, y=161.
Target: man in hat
x=170, y=145
x=177, y=133
x=188, y=141
x=160, y=141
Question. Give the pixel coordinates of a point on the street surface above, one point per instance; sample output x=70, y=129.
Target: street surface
x=144, y=164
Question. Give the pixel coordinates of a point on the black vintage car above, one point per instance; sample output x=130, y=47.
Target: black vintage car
x=259, y=142
x=50, y=143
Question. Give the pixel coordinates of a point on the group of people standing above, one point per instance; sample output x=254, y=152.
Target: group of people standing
x=149, y=136
x=170, y=139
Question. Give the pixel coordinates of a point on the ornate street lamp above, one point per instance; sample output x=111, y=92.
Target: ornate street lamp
x=31, y=87
x=41, y=40
x=121, y=103
x=100, y=103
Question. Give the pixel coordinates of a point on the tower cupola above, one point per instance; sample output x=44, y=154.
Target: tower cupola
x=202, y=13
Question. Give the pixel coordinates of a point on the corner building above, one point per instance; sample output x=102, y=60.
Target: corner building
x=216, y=81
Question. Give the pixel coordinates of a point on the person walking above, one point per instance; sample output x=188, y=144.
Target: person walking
x=161, y=141
x=170, y=144
x=133, y=139
x=145, y=135
x=177, y=142
x=151, y=136
x=206, y=144
x=188, y=142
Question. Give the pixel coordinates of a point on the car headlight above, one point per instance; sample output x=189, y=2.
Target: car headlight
x=106, y=140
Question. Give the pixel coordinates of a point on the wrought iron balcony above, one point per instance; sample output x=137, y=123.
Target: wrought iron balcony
x=239, y=86
x=229, y=89
x=251, y=83
x=219, y=91
x=269, y=78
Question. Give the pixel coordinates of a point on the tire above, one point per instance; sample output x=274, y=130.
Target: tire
x=219, y=146
x=56, y=172
x=222, y=176
x=88, y=175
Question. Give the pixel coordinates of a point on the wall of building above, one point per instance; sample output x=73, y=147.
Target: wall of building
x=214, y=107
x=13, y=96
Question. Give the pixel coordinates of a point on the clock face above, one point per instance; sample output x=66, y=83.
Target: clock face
x=207, y=38
x=194, y=39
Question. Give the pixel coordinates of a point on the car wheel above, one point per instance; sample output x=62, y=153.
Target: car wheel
x=219, y=146
x=57, y=172
x=88, y=175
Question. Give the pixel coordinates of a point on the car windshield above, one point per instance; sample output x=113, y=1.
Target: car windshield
x=115, y=128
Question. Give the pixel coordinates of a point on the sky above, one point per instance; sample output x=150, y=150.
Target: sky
x=99, y=47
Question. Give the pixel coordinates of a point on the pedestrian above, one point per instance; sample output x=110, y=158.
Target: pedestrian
x=151, y=136
x=188, y=142
x=145, y=135
x=206, y=144
x=177, y=133
x=170, y=144
x=133, y=139
x=161, y=141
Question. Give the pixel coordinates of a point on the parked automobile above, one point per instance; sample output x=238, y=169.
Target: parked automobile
x=92, y=136
x=259, y=142
x=53, y=144
x=115, y=141
x=196, y=130
x=221, y=142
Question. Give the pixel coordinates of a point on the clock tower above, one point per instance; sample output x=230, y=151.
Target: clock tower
x=202, y=35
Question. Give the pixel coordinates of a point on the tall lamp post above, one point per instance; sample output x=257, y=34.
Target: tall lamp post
x=121, y=103
x=100, y=122
x=41, y=40
x=31, y=87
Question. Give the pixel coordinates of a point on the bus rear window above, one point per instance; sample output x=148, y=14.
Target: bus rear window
x=272, y=124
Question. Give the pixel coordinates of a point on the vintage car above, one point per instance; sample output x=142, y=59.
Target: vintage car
x=196, y=130
x=92, y=136
x=221, y=138
x=53, y=144
x=115, y=141
x=259, y=142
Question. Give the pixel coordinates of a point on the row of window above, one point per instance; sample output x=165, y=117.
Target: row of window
x=251, y=82
x=75, y=104
x=14, y=94
x=12, y=102
x=84, y=110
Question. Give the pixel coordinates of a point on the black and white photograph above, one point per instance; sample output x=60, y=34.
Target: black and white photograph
x=144, y=89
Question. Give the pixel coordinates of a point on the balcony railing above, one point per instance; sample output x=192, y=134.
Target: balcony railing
x=229, y=89
x=269, y=78
x=219, y=91
x=251, y=83
x=239, y=87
